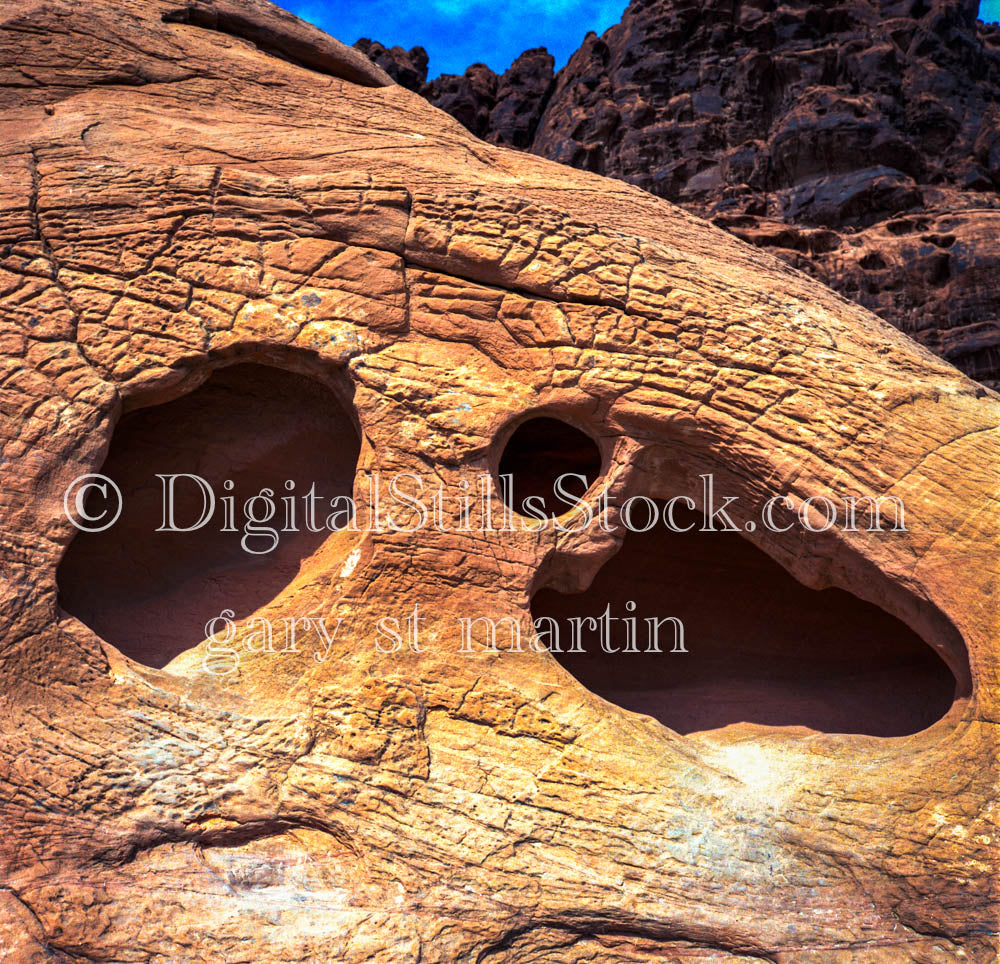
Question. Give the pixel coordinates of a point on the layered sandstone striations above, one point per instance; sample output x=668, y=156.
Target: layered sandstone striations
x=230, y=245
x=858, y=140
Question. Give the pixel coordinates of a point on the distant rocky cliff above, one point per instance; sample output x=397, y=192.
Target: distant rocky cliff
x=860, y=140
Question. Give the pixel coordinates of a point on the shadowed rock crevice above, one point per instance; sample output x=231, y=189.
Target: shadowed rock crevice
x=761, y=647
x=540, y=451
x=151, y=593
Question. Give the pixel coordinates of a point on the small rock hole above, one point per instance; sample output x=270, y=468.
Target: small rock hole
x=540, y=451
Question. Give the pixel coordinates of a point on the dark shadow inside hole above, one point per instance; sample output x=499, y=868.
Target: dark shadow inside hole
x=537, y=454
x=762, y=648
x=151, y=593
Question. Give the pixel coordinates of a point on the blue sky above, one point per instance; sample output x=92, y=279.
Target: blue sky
x=457, y=33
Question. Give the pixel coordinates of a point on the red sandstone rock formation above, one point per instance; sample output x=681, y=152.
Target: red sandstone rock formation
x=230, y=246
x=859, y=141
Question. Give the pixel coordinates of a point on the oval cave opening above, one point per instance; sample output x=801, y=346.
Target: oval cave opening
x=760, y=647
x=151, y=593
x=540, y=451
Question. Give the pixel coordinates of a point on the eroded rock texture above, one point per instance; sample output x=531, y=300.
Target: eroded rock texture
x=859, y=141
x=502, y=109
x=406, y=67
x=203, y=205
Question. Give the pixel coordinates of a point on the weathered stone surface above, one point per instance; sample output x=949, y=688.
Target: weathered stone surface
x=843, y=137
x=502, y=109
x=470, y=99
x=179, y=198
x=522, y=94
x=406, y=67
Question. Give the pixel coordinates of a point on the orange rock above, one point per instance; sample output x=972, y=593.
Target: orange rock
x=215, y=223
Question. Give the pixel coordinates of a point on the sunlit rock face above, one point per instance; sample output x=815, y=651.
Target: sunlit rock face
x=231, y=247
x=859, y=141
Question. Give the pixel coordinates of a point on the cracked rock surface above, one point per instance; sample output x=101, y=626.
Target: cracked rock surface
x=191, y=191
x=857, y=140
